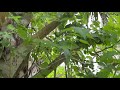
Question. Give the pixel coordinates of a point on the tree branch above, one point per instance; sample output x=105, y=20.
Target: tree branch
x=53, y=65
x=10, y=69
x=40, y=34
x=46, y=30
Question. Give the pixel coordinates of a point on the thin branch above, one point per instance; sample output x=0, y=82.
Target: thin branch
x=108, y=47
x=55, y=72
x=49, y=39
x=114, y=74
x=117, y=50
x=30, y=69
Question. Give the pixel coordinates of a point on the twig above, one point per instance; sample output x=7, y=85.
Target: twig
x=108, y=47
x=114, y=73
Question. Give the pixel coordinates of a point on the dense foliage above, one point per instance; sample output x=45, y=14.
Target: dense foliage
x=85, y=43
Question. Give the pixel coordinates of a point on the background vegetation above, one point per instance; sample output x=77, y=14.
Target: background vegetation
x=59, y=44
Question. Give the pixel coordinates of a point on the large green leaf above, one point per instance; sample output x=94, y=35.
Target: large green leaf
x=22, y=33
x=84, y=42
x=82, y=31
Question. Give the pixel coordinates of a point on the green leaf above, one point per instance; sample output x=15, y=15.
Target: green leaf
x=80, y=74
x=89, y=73
x=75, y=68
x=96, y=23
x=82, y=31
x=89, y=57
x=67, y=55
x=90, y=36
x=108, y=57
x=44, y=65
x=22, y=33
x=67, y=45
x=103, y=73
x=16, y=18
x=6, y=35
x=5, y=43
x=84, y=42
x=11, y=27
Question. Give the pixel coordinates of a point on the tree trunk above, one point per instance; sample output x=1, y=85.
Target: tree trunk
x=19, y=61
